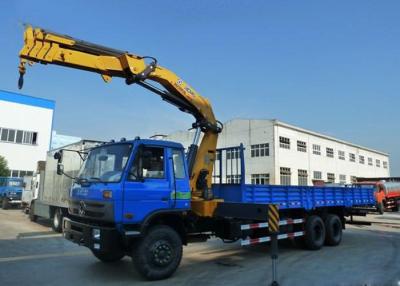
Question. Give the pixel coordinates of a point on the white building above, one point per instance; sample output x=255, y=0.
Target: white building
x=279, y=153
x=25, y=131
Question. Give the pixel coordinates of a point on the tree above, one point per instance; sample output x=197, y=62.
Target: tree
x=4, y=171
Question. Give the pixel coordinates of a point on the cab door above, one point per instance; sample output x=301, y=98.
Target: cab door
x=180, y=195
x=147, y=187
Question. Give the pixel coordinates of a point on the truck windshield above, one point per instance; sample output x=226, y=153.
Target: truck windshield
x=9, y=182
x=106, y=163
x=13, y=183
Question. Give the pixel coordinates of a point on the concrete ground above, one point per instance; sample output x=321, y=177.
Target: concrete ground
x=32, y=254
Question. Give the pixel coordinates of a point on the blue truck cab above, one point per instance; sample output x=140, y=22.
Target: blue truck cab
x=10, y=191
x=123, y=183
x=133, y=198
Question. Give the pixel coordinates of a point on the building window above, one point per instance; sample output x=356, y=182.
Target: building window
x=20, y=173
x=329, y=152
x=18, y=136
x=378, y=163
x=331, y=177
x=302, y=177
x=4, y=134
x=317, y=175
x=218, y=155
x=341, y=155
x=385, y=164
x=11, y=135
x=233, y=179
x=362, y=159
x=370, y=161
x=342, y=179
x=301, y=146
x=260, y=150
x=284, y=142
x=260, y=179
x=285, y=176
x=232, y=154
x=316, y=149
x=352, y=157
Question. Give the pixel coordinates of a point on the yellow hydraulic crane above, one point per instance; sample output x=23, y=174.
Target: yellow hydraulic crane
x=42, y=46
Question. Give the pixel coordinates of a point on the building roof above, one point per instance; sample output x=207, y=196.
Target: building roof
x=27, y=100
x=299, y=129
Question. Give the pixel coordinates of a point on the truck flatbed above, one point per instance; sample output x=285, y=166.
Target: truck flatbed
x=295, y=197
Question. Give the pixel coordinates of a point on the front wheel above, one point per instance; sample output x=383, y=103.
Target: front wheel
x=32, y=215
x=108, y=257
x=57, y=220
x=380, y=208
x=4, y=205
x=158, y=254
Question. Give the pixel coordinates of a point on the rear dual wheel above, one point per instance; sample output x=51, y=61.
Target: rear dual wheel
x=333, y=227
x=320, y=232
x=315, y=233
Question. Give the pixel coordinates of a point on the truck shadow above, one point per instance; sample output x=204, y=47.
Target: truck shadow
x=214, y=256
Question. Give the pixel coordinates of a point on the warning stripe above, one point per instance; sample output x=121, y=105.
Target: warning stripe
x=273, y=211
x=273, y=226
x=252, y=241
x=265, y=224
x=254, y=225
x=273, y=218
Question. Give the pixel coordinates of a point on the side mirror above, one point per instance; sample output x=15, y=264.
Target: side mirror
x=58, y=156
x=60, y=169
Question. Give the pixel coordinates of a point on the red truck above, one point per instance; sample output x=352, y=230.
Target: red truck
x=387, y=194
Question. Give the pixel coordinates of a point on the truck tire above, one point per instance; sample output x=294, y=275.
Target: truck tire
x=158, y=254
x=5, y=204
x=380, y=208
x=315, y=233
x=396, y=207
x=333, y=228
x=57, y=220
x=32, y=216
x=108, y=257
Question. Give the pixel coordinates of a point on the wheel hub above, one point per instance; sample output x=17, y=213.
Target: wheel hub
x=162, y=253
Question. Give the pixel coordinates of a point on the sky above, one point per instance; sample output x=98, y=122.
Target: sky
x=329, y=66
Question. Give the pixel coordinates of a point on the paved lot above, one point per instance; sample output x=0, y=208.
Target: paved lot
x=31, y=254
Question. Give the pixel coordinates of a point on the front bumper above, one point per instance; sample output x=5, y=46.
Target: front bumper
x=92, y=236
x=14, y=202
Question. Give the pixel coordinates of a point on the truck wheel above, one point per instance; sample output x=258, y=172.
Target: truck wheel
x=108, y=257
x=57, y=220
x=380, y=208
x=396, y=207
x=315, y=233
x=333, y=227
x=4, y=205
x=32, y=215
x=158, y=254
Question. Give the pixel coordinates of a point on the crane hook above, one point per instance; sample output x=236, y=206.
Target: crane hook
x=20, y=80
x=22, y=70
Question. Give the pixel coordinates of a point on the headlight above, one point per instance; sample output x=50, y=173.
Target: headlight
x=96, y=233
